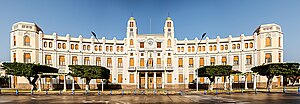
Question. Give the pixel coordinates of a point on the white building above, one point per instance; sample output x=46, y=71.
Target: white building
x=146, y=60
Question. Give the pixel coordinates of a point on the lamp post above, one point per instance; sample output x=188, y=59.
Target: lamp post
x=197, y=82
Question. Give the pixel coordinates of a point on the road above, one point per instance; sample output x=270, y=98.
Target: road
x=175, y=99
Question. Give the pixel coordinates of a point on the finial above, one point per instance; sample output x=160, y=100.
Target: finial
x=131, y=14
x=168, y=14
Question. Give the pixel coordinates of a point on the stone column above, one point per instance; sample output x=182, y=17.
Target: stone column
x=51, y=83
x=254, y=81
x=154, y=80
x=73, y=83
x=65, y=83
x=230, y=82
x=246, y=87
x=102, y=86
x=39, y=82
x=225, y=84
x=146, y=80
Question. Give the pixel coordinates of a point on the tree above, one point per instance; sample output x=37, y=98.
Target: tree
x=275, y=69
x=28, y=70
x=89, y=72
x=290, y=71
x=212, y=71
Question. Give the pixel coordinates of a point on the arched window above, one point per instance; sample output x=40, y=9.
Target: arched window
x=50, y=44
x=59, y=45
x=131, y=41
x=238, y=46
x=84, y=47
x=110, y=48
x=96, y=48
x=226, y=47
x=193, y=49
x=203, y=48
x=64, y=45
x=26, y=40
x=45, y=44
x=268, y=41
x=76, y=46
x=222, y=47
x=233, y=46
x=251, y=45
x=246, y=45
x=210, y=48
x=178, y=49
x=169, y=43
x=182, y=49
x=199, y=48
x=72, y=46
x=88, y=47
x=118, y=49
x=168, y=24
x=279, y=42
x=189, y=49
x=100, y=48
x=131, y=24
x=122, y=48
x=215, y=48
x=107, y=48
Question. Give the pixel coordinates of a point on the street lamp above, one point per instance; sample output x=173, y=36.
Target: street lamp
x=197, y=82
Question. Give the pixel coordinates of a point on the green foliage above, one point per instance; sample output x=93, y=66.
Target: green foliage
x=89, y=71
x=216, y=70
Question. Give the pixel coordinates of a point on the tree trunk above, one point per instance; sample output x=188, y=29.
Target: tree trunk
x=293, y=79
x=269, y=82
x=212, y=80
x=87, y=87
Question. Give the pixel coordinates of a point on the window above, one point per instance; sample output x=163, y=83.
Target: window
x=158, y=54
x=72, y=46
x=168, y=24
x=131, y=60
x=131, y=42
x=169, y=78
x=122, y=48
x=226, y=47
x=142, y=54
x=109, y=62
x=158, y=44
x=86, y=60
x=107, y=48
x=215, y=48
x=191, y=62
x=131, y=54
x=96, y=48
x=131, y=78
x=169, y=43
x=178, y=49
x=199, y=48
x=203, y=48
x=84, y=47
x=169, y=62
x=210, y=48
x=74, y=60
x=45, y=44
x=193, y=49
x=142, y=62
x=98, y=61
x=15, y=42
x=76, y=46
x=131, y=24
x=201, y=61
x=26, y=40
x=100, y=48
x=279, y=57
x=279, y=42
x=48, y=60
x=14, y=57
x=88, y=47
x=61, y=60
x=50, y=44
x=251, y=45
x=150, y=62
x=120, y=62
x=189, y=49
x=118, y=48
x=222, y=47
x=268, y=58
x=224, y=60
x=64, y=45
x=180, y=62
x=182, y=49
x=158, y=61
x=238, y=46
x=248, y=59
x=236, y=60
x=27, y=58
x=111, y=48
x=191, y=78
x=169, y=54
x=212, y=61
x=59, y=45
x=180, y=79
x=268, y=41
x=246, y=45
x=141, y=44
x=120, y=79
x=233, y=46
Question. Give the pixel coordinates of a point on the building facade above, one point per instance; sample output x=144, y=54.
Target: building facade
x=146, y=60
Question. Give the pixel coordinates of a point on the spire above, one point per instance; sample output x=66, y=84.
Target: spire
x=131, y=17
x=169, y=18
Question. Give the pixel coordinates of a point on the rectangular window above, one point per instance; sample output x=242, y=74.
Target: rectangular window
x=27, y=58
x=279, y=57
x=236, y=60
x=224, y=60
x=48, y=60
x=120, y=62
x=62, y=60
x=141, y=44
x=120, y=78
x=248, y=59
x=169, y=76
x=74, y=60
x=98, y=61
x=158, y=44
x=169, y=62
x=86, y=61
x=191, y=62
x=14, y=57
x=212, y=61
x=109, y=62
x=268, y=58
x=158, y=61
x=142, y=62
x=180, y=79
x=15, y=42
x=131, y=78
x=191, y=77
x=180, y=62
x=131, y=60
x=201, y=62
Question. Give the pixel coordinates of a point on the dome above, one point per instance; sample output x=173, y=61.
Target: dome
x=131, y=18
x=168, y=18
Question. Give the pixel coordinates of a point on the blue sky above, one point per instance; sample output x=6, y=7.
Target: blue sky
x=191, y=18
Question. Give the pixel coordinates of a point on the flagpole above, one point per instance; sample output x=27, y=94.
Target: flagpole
x=197, y=82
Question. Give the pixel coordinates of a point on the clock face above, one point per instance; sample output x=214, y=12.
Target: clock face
x=150, y=42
